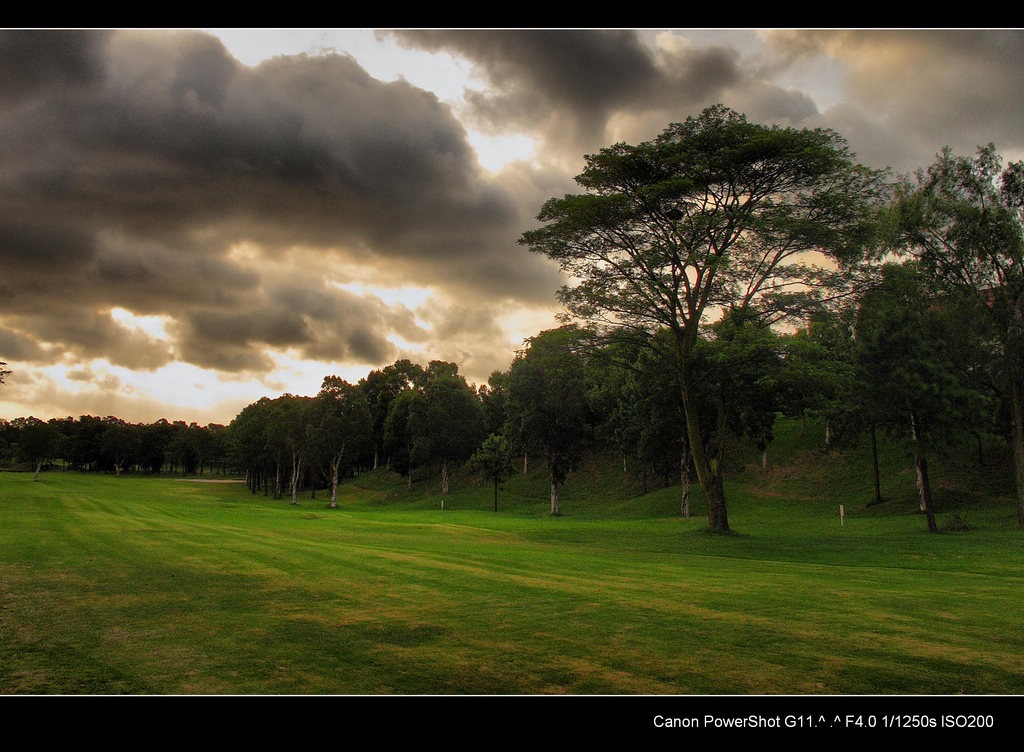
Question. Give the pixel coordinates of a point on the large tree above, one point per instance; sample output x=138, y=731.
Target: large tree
x=715, y=213
x=547, y=401
x=381, y=388
x=37, y=441
x=963, y=218
x=340, y=424
x=447, y=421
x=914, y=360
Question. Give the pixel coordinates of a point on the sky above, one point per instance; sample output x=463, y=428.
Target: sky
x=191, y=219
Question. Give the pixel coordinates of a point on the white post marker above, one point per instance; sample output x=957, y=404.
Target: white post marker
x=842, y=515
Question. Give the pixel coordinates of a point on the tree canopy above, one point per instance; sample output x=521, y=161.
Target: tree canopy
x=963, y=219
x=715, y=213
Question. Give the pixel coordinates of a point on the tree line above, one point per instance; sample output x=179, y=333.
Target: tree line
x=90, y=443
x=723, y=275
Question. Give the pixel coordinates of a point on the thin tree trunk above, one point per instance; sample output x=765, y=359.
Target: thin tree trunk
x=334, y=482
x=923, y=486
x=874, y=462
x=39, y=466
x=296, y=466
x=445, y=480
x=335, y=464
x=554, y=497
x=1017, y=418
x=495, y=493
x=684, y=479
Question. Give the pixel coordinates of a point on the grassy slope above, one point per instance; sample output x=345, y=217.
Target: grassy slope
x=148, y=585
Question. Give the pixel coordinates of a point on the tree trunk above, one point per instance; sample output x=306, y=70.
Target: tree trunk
x=335, y=464
x=1017, y=418
x=445, y=480
x=495, y=493
x=718, y=518
x=925, y=491
x=296, y=465
x=708, y=468
x=554, y=497
x=923, y=486
x=39, y=466
x=334, y=482
x=684, y=480
x=874, y=462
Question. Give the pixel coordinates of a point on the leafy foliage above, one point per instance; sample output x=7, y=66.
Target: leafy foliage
x=716, y=213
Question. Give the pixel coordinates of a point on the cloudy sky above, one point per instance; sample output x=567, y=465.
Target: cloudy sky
x=193, y=219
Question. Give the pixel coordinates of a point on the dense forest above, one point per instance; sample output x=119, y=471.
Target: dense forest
x=726, y=274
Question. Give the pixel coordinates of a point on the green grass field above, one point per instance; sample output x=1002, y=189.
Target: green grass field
x=150, y=585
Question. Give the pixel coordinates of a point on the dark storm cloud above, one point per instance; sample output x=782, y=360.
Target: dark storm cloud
x=101, y=333
x=588, y=72
x=572, y=84
x=31, y=61
x=19, y=347
x=84, y=333
x=317, y=321
x=904, y=93
x=133, y=162
x=181, y=137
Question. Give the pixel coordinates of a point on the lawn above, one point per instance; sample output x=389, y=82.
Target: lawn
x=151, y=585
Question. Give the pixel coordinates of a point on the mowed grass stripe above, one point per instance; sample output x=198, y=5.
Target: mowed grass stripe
x=146, y=586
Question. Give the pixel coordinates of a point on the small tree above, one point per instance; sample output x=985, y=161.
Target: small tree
x=494, y=461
